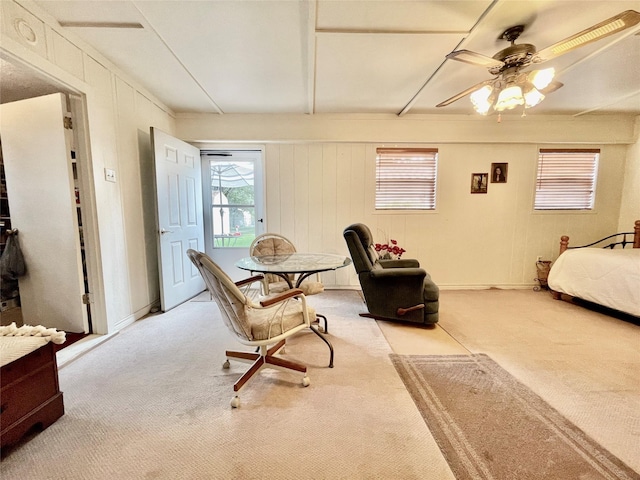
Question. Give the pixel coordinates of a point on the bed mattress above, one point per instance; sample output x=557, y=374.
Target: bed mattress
x=610, y=278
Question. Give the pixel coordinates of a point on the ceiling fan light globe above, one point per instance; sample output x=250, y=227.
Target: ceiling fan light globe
x=482, y=94
x=482, y=108
x=532, y=98
x=542, y=78
x=509, y=98
x=481, y=99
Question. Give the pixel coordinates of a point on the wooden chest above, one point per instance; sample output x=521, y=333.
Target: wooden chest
x=30, y=397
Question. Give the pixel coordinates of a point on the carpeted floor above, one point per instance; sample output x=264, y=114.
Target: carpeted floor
x=490, y=426
x=153, y=403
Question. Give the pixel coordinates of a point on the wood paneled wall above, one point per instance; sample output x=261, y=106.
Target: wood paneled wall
x=315, y=190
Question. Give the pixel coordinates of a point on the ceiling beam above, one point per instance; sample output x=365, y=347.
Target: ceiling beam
x=186, y=69
x=415, y=97
x=375, y=31
x=312, y=55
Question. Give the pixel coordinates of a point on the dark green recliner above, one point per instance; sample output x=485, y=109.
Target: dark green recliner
x=393, y=289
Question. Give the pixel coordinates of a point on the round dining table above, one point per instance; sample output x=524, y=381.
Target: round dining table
x=302, y=265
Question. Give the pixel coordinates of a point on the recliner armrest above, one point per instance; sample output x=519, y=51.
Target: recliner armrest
x=399, y=263
x=398, y=272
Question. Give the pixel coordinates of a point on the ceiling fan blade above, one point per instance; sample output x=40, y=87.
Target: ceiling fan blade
x=474, y=58
x=552, y=87
x=616, y=24
x=464, y=93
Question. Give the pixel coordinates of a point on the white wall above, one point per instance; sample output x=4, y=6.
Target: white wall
x=320, y=178
x=630, y=207
x=119, y=114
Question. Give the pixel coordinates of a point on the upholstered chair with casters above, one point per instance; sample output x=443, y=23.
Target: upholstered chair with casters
x=393, y=289
x=276, y=244
x=265, y=325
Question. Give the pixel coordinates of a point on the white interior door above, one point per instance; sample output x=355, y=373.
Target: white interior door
x=42, y=204
x=179, y=215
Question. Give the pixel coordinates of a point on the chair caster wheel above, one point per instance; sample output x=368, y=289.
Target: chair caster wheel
x=226, y=364
x=235, y=402
x=305, y=381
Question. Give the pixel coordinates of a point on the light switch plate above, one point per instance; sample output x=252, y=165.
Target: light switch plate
x=110, y=175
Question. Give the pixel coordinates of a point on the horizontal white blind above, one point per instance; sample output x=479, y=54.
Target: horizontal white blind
x=406, y=178
x=566, y=179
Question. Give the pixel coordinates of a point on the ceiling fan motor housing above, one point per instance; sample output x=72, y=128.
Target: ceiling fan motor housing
x=514, y=56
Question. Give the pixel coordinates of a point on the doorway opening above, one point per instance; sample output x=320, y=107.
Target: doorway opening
x=80, y=194
x=233, y=203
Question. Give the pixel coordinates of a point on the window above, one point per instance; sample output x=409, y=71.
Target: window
x=566, y=179
x=406, y=178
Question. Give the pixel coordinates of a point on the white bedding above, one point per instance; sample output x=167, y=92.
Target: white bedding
x=607, y=277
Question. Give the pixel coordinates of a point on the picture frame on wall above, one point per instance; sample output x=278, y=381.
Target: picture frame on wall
x=499, y=172
x=479, y=182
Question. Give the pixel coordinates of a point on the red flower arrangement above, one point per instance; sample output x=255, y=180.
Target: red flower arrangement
x=389, y=251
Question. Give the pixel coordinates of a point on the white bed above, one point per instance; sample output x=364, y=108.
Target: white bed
x=607, y=277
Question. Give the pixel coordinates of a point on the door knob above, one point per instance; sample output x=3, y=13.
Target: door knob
x=163, y=231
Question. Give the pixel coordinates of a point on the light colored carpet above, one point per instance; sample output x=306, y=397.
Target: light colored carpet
x=153, y=403
x=490, y=426
x=584, y=364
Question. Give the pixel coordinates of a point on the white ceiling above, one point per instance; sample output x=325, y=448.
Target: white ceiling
x=350, y=56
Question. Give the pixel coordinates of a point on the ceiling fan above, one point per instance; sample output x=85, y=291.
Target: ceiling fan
x=513, y=85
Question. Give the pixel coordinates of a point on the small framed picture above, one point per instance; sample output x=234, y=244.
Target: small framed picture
x=479, y=182
x=499, y=172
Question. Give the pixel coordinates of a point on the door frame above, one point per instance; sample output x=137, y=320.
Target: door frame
x=98, y=320
x=81, y=95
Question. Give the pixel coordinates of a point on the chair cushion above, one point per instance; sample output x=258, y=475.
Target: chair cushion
x=272, y=246
x=270, y=322
x=307, y=287
x=278, y=286
x=312, y=288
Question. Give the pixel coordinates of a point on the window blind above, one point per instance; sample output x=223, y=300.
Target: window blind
x=406, y=178
x=566, y=179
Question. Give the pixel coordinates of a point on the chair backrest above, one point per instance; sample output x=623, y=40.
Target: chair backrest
x=232, y=302
x=271, y=244
x=360, y=243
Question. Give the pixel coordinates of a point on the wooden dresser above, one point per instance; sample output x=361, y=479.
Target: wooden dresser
x=30, y=397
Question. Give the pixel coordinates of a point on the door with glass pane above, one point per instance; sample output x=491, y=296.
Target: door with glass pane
x=233, y=194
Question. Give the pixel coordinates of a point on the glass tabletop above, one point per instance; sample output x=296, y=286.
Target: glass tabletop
x=293, y=263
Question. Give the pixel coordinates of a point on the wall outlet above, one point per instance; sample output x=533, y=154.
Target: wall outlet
x=110, y=175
